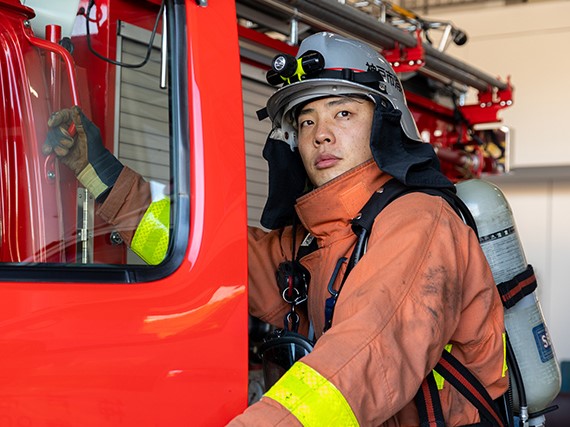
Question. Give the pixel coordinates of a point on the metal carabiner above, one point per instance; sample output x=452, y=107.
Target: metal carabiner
x=293, y=319
x=337, y=267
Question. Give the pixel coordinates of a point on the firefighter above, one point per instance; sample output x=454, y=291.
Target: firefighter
x=341, y=132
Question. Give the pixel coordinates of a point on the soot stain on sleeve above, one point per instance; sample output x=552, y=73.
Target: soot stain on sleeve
x=439, y=293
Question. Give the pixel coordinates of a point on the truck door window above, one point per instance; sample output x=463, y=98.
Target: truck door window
x=49, y=216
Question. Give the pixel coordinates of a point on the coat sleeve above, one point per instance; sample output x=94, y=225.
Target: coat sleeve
x=266, y=250
x=126, y=204
x=403, y=302
x=141, y=213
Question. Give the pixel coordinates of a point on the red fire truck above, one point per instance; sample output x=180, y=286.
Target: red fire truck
x=89, y=334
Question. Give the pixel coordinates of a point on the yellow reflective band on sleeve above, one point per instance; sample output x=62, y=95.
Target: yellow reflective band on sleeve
x=505, y=367
x=438, y=378
x=150, y=241
x=311, y=398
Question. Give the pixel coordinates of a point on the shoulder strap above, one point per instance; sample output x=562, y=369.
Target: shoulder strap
x=394, y=189
x=456, y=203
x=377, y=202
x=363, y=222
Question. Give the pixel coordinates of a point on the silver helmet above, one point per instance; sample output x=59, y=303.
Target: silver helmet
x=347, y=67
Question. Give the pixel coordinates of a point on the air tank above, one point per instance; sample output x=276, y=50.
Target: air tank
x=525, y=324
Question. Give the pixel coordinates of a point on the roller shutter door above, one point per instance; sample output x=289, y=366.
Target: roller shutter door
x=142, y=135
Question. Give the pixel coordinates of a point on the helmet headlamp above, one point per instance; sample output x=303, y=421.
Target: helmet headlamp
x=287, y=69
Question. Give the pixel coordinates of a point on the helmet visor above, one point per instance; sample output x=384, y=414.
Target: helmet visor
x=288, y=97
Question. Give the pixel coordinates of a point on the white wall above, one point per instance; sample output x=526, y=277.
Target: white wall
x=530, y=42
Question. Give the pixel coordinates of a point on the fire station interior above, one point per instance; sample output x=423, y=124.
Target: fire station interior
x=511, y=46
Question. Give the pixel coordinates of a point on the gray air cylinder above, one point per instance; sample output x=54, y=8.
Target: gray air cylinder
x=524, y=321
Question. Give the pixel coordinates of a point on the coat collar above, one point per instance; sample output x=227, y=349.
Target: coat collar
x=326, y=212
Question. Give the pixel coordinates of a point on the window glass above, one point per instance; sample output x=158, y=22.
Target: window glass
x=114, y=207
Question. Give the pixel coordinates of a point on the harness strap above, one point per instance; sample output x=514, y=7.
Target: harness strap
x=377, y=202
x=429, y=407
x=523, y=284
x=308, y=246
x=429, y=404
x=361, y=226
x=456, y=203
x=394, y=189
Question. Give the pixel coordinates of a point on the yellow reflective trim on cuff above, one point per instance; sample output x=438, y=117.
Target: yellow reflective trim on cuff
x=505, y=367
x=150, y=241
x=311, y=398
x=439, y=381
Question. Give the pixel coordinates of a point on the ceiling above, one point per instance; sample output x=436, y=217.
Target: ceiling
x=380, y=23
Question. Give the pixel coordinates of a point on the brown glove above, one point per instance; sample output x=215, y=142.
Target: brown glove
x=71, y=149
x=84, y=153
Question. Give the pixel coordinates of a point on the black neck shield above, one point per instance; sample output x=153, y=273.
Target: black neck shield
x=413, y=163
x=287, y=182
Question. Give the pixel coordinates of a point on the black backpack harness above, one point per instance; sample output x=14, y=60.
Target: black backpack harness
x=427, y=399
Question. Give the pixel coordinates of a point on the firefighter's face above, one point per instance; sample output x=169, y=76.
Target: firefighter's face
x=334, y=136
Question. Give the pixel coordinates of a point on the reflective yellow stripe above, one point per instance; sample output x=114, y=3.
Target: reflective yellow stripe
x=150, y=241
x=505, y=367
x=311, y=398
x=438, y=378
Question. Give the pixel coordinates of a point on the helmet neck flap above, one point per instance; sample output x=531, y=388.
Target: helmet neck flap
x=413, y=163
x=394, y=140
